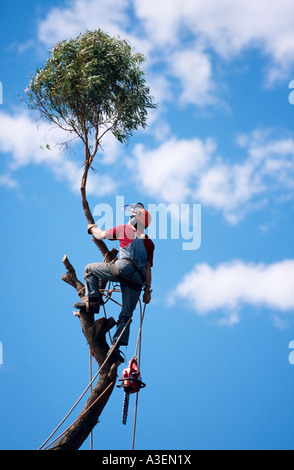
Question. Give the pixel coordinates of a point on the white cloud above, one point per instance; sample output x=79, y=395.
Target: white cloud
x=229, y=286
x=227, y=26
x=182, y=35
x=273, y=156
x=79, y=15
x=8, y=182
x=193, y=68
x=76, y=16
x=22, y=137
x=177, y=171
x=191, y=170
x=172, y=168
x=26, y=142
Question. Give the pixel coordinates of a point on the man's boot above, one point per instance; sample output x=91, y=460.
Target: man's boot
x=91, y=305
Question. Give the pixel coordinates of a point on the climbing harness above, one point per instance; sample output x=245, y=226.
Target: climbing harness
x=134, y=370
x=114, y=269
x=120, y=277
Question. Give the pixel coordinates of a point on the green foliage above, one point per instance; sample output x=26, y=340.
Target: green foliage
x=93, y=83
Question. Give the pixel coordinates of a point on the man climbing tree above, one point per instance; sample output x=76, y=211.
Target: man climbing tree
x=90, y=86
x=133, y=270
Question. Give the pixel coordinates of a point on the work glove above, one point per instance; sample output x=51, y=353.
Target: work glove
x=147, y=295
x=90, y=226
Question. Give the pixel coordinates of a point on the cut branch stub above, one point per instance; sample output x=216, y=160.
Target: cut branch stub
x=71, y=278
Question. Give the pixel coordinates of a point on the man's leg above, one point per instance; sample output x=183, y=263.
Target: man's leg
x=130, y=298
x=94, y=272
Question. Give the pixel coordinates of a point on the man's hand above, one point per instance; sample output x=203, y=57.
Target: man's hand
x=147, y=295
x=96, y=231
x=90, y=226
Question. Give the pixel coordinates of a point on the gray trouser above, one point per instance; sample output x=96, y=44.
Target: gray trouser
x=130, y=297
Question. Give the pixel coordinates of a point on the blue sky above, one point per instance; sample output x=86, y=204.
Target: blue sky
x=217, y=333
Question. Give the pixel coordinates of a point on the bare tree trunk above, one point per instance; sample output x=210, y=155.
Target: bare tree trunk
x=94, y=332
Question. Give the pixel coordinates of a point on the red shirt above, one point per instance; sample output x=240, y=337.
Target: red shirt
x=125, y=234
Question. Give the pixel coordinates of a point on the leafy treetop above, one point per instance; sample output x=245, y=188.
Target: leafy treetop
x=92, y=84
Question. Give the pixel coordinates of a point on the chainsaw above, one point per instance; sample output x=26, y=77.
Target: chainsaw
x=131, y=383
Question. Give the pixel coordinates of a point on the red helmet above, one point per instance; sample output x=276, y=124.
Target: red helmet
x=139, y=215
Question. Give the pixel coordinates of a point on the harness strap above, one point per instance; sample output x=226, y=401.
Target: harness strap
x=120, y=277
x=142, y=275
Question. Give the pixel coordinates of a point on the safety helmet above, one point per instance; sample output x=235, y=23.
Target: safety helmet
x=139, y=216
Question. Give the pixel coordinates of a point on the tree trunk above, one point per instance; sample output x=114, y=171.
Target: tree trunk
x=94, y=332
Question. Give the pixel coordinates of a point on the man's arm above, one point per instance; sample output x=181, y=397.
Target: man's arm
x=96, y=232
x=148, y=274
x=147, y=290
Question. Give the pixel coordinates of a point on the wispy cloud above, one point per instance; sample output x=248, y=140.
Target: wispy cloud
x=193, y=68
x=76, y=16
x=27, y=143
x=172, y=167
x=178, y=170
x=224, y=28
x=191, y=169
x=227, y=27
x=8, y=181
x=228, y=287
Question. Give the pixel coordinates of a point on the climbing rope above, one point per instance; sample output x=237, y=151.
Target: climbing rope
x=90, y=377
x=138, y=346
x=80, y=416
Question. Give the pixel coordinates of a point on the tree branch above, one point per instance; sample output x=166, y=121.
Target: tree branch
x=71, y=278
x=108, y=256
